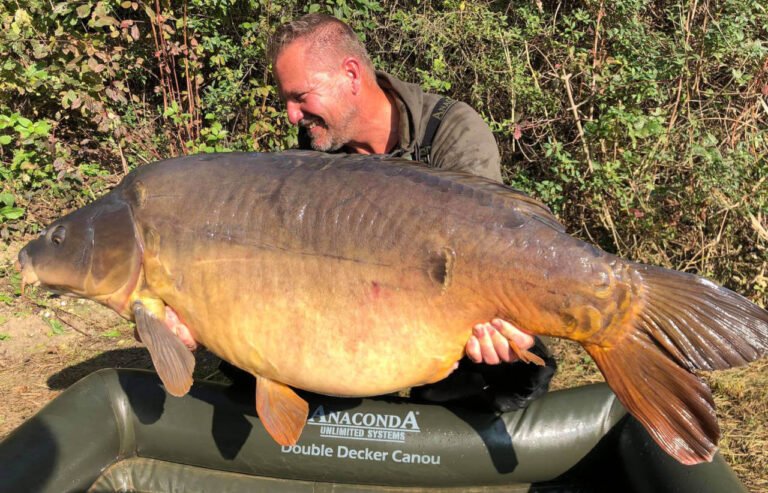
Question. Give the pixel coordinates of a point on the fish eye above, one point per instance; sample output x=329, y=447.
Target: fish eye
x=58, y=235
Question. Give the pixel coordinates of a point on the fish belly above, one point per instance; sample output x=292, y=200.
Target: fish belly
x=328, y=325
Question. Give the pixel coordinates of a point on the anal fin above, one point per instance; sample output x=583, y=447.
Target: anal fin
x=281, y=410
x=172, y=359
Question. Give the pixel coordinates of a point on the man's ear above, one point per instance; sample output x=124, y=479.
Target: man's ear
x=354, y=73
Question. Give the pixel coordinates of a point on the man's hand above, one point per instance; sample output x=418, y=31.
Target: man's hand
x=505, y=387
x=490, y=342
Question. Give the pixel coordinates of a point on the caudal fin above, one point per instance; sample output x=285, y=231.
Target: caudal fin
x=688, y=323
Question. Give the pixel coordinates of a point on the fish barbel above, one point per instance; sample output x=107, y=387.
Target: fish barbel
x=359, y=275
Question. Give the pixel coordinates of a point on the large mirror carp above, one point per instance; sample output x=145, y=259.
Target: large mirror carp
x=359, y=275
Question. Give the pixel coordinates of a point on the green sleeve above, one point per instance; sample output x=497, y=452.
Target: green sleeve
x=464, y=142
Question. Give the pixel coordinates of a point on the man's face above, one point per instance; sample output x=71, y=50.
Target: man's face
x=316, y=97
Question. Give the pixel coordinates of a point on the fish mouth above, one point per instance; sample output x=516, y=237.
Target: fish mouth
x=28, y=274
x=28, y=278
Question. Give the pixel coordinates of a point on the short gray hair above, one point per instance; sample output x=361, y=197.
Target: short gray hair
x=328, y=37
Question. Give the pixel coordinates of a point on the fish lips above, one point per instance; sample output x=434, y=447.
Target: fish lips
x=29, y=276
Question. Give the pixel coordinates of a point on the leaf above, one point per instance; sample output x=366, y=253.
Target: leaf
x=23, y=123
x=57, y=328
x=7, y=198
x=101, y=17
x=11, y=213
x=83, y=11
x=40, y=50
x=22, y=17
x=150, y=13
x=105, y=21
x=41, y=128
x=94, y=65
x=4, y=337
x=111, y=333
x=5, y=139
x=62, y=8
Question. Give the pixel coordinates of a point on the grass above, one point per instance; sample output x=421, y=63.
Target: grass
x=741, y=396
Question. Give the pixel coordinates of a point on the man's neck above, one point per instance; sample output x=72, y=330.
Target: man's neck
x=378, y=123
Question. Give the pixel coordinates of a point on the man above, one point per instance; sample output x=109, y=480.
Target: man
x=341, y=104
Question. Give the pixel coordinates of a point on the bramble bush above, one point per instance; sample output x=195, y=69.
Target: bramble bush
x=643, y=124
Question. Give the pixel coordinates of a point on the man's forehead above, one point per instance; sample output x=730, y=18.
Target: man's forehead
x=296, y=70
x=291, y=66
x=299, y=53
x=296, y=47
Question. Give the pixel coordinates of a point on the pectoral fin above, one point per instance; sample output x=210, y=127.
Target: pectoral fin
x=282, y=411
x=172, y=359
x=526, y=356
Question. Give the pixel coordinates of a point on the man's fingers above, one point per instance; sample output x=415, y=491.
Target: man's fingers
x=515, y=335
x=473, y=350
x=487, y=348
x=171, y=318
x=501, y=346
x=178, y=327
x=490, y=342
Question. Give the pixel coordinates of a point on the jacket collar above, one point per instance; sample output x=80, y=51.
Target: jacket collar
x=409, y=99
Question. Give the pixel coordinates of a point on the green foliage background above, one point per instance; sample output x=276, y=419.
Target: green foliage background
x=642, y=123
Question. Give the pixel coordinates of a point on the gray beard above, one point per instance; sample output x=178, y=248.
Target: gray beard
x=339, y=138
x=331, y=146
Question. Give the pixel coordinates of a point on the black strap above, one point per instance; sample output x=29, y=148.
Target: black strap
x=423, y=150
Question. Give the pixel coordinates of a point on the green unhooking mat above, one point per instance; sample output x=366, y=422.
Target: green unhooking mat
x=118, y=431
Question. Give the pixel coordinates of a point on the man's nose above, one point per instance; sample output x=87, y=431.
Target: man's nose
x=294, y=112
